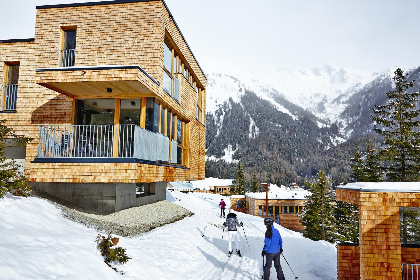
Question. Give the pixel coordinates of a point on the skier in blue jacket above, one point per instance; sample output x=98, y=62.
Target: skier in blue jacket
x=273, y=248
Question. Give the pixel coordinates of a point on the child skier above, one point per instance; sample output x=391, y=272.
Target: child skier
x=231, y=223
x=273, y=248
x=222, y=206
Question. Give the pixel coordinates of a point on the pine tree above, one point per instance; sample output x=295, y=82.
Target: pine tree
x=255, y=184
x=318, y=214
x=11, y=180
x=347, y=222
x=397, y=121
x=371, y=168
x=357, y=167
x=239, y=182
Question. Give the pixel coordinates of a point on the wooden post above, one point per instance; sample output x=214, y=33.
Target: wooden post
x=266, y=198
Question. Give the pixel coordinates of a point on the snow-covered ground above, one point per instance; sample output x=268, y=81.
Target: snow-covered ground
x=37, y=242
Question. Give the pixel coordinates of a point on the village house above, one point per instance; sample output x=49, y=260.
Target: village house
x=114, y=99
x=213, y=185
x=284, y=205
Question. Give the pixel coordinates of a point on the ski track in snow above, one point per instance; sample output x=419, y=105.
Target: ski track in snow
x=41, y=244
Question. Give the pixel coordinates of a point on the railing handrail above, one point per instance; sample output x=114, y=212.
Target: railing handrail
x=410, y=271
x=68, y=57
x=93, y=141
x=9, y=97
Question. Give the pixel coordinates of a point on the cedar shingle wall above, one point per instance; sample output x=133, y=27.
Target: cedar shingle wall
x=348, y=264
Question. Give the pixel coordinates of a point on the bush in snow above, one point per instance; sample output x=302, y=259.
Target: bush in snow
x=111, y=255
x=11, y=180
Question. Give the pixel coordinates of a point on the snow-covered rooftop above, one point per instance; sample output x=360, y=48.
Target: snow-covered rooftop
x=382, y=187
x=211, y=182
x=181, y=186
x=282, y=192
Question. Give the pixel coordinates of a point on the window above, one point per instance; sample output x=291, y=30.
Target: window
x=67, y=56
x=170, y=82
x=241, y=204
x=145, y=189
x=182, y=143
x=152, y=115
x=200, y=105
x=11, y=86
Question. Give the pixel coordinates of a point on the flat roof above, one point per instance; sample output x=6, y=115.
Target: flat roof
x=407, y=187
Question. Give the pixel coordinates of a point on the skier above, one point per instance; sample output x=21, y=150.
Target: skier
x=273, y=248
x=231, y=223
x=222, y=206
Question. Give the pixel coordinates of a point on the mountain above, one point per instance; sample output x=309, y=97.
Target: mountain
x=285, y=124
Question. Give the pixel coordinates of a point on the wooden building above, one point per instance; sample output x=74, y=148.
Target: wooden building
x=114, y=99
x=379, y=254
x=284, y=205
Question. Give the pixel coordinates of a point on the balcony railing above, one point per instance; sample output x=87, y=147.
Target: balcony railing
x=410, y=271
x=10, y=96
x=97, y=141
x=68, y=57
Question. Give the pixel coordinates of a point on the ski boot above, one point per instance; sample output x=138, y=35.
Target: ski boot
x=230, y=253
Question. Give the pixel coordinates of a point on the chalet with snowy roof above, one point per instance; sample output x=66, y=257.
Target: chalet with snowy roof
x=213, y=185
x=284, y=204
x=381, y=252
x=114, y=99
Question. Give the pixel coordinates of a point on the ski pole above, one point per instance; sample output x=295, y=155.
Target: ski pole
x=246, y=238
x=289, y=266
x=204, y=231
x=262, y=277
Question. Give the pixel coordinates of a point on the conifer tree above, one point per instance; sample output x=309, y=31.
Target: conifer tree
x=357, y=167
x=397, y=121
x=371, y=169
x=239, y=182
x=11, y=179
x=317, y=216
x=255, y=184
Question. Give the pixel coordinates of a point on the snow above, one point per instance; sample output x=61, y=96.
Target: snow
x=37, y=242
x=281, y=192
x=211, y=182
x=383, y=187
x=227, y=157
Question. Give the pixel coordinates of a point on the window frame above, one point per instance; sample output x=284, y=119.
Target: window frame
x=6, y=83
x=63, y=42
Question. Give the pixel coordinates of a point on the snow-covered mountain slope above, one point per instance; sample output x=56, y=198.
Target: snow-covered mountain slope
x=37, y=242
x=323, y=91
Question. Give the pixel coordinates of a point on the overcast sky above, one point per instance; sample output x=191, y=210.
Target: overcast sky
x=227, y=35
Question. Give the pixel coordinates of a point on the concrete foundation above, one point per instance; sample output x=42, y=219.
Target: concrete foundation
x=102, y=198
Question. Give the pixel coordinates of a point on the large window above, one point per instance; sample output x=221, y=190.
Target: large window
x=200, y=105
x=170, y=68
x=10, y=88
x=95, y=111
x=68, y=50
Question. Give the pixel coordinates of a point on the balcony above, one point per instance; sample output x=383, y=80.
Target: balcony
x=101, y=143
x=10, y=95
x=68, y=57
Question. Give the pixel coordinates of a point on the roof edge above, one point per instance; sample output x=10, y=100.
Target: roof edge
x=105, y=2
x=17, y=40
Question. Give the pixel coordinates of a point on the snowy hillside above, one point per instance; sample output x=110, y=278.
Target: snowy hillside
x=322, y=90
x=38, y=243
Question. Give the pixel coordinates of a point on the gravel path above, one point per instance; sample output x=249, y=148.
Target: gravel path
x=130, y=221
